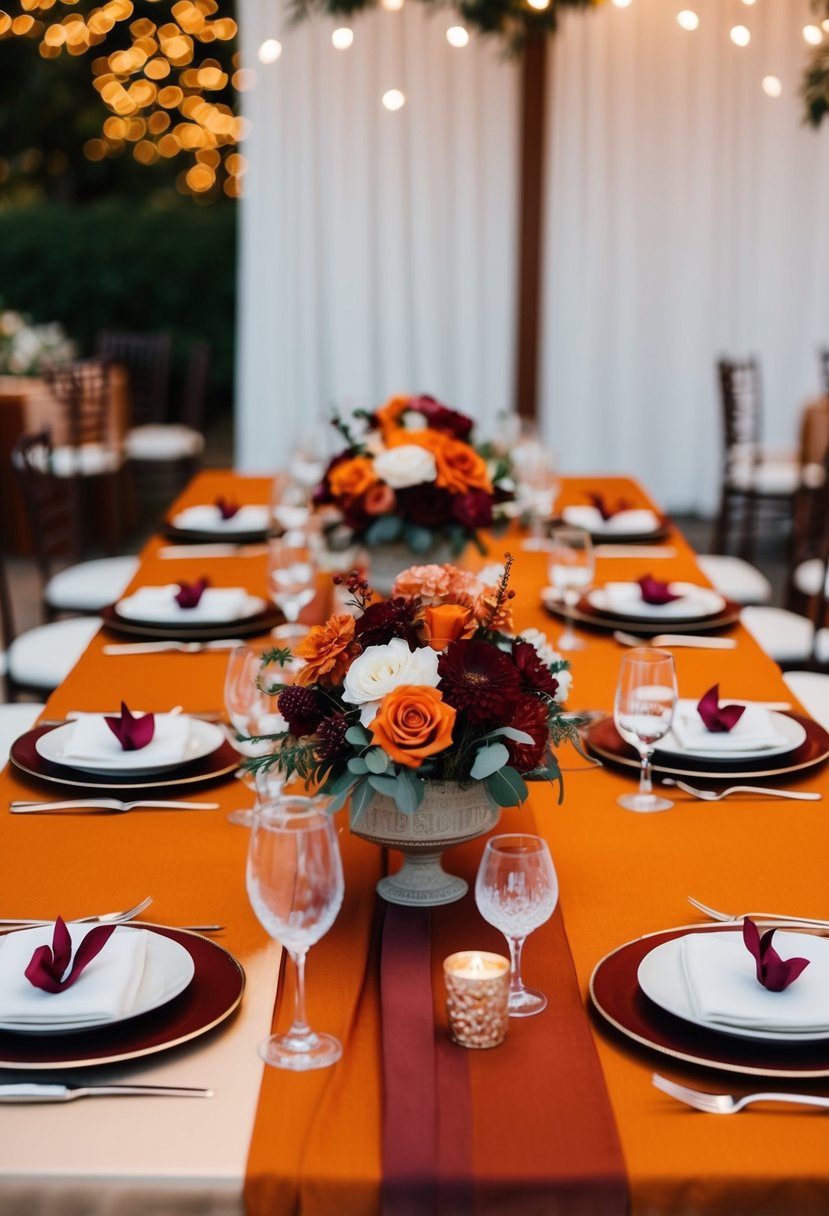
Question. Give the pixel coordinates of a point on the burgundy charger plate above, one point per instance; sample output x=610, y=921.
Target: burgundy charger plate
x=209, y=999
x=25, y=757
x=201, y=536
x=617, y=997
x=258, y=622
x=585, y=614
x=603, y=740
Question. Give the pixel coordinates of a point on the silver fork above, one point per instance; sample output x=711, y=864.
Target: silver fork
x=163, y=647
x=106, y=804
x=674, y=639
x=729, y=1104
x=727, y=917
x=718, y=795
x=103, y=918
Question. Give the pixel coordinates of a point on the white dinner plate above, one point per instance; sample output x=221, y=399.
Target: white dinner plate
x=631, y=522
x=127, y=608
x=793, y=732
x=661, y=978
x=208, y=518
x=694, y=602
x=205, y=737
x=168, y=969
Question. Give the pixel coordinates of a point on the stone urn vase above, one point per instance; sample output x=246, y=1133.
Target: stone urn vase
x=449, y=814
x=387, y=560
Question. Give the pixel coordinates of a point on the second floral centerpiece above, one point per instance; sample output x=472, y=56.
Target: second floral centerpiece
x=427, y=712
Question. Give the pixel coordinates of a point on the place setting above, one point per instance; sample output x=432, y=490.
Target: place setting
x=223, y=519
x=191, y=611
x=77, y=995
x=616, y=521
x=125, y=751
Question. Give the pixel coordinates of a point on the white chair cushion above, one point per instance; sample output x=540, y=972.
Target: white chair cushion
x=90, y=586
x=822, y=647
x=812, y=690
x=735, y=579
x=43, y=657
x=160, y=442
x=768, y=477
x=14, y=721
x=808, y=574
x=89, y=460
x=784, y=635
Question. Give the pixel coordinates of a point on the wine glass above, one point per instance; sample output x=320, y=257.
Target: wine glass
x=252, y=709
x=292, y=571
x=643, y=711
x=538, y=486
x=290, y=502
x=570, y=566
x=295, y=884
x=516, y=890
x=309, y=453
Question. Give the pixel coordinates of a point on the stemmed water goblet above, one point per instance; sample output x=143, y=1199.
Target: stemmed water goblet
x=571, y=566
x=538, y=486
x=292, y=572
x=295, y=885
x=643, y=711
x=290, y=502
x=516, y=890
x=253, y=712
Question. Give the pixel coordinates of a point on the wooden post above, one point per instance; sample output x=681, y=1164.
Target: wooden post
x=533, y=91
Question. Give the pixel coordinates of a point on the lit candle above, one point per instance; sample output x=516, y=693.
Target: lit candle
x=477, y=992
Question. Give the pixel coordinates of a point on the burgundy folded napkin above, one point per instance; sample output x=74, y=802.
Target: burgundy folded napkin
x=773, y=972
x=132, y=733
x=719, y=719
x=656, y=592
x=227, y=508
x=607, y=512
x=48, y=965
x=189, y=594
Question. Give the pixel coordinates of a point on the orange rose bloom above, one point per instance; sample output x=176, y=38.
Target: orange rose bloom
x=445, y=623
x=389, y=415
x=413, y=722
x=351, y=478
x=459, y=466
x=328, y=651
x=379, y=499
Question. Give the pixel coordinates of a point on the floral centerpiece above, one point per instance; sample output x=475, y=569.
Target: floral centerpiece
x=429, y=691
x=415, y=478
x=27, y=349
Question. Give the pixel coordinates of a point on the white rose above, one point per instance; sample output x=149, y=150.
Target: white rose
x=379, y=669
x=408, y=465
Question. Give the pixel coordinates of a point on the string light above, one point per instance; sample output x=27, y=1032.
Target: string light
x=623, y=3
x=342, y=38
x=269, y=51
x=688, y=19
x=457, y=35
x=740, y=35
x=540, y=5
x=813, y=35
x=772, y=86
x=393, y=99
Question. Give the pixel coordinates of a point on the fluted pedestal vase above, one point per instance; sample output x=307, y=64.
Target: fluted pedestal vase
x=450, y=814
x=388, y=560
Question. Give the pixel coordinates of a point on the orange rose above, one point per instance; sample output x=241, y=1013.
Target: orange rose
x=328, y=651
x=388, y=416
x=459, y=466
x=351, y=478
x=445, y=623
x=379, y=499
x=413, y=722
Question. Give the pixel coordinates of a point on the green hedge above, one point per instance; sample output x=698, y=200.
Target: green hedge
x=137, y=266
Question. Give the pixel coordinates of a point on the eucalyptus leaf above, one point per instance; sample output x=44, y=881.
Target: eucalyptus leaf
x=488, y=760
x=409, y=794
x=362, y=796
x=383, y=529
x=383, y=785
x=357, y=765
x=418, y=539
x=377, y=760
x=358, y=735
x=511, y=732
x=336, y=785
x=507, y=787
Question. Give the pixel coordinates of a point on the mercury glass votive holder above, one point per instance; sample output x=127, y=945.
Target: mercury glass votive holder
x=477, y=996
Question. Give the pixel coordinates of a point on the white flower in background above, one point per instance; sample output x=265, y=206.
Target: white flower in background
x=408, y=465
x=552, y=659
x=414, y=421
x=26, y=350
x=379, y=669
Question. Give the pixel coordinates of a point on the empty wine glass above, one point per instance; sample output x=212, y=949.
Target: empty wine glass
x=643, y=711
x=310, y=452
x=253, y=710
x=570, y=566
x=516, y=890
x=538, y=485
x=295, y=885
x=290, y=502
x=292, y=570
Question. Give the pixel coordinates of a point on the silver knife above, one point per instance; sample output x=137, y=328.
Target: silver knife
x=36, y=1092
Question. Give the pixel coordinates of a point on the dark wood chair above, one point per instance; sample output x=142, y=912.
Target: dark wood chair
x=753, y=478
x=146, y=360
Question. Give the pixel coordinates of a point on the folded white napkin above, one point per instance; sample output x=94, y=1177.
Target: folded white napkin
x=89, y=740
x=755, y=730
x=722, y=984
x=105, y=989
x=158, y=604
x=251, y=518
x=626, y=599
x=633, y=522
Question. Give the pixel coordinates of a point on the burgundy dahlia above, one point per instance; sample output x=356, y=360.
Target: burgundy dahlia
x=300, y=707
x=479, y=680
x=332, y=742
x=387, y=619
x=441, y=417
x=473, y=509
x=529, y=715
x=428, y=505
x=535, y=674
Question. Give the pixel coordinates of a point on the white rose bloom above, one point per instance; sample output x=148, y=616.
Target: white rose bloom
x=408, y=465
x=379, y=669
x=413, y=421
x=565, y=679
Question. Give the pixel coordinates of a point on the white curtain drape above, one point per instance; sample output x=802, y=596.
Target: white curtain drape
x=377, y=247
x=686, y=218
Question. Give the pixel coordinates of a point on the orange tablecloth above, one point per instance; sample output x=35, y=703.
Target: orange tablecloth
x=621, y=874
